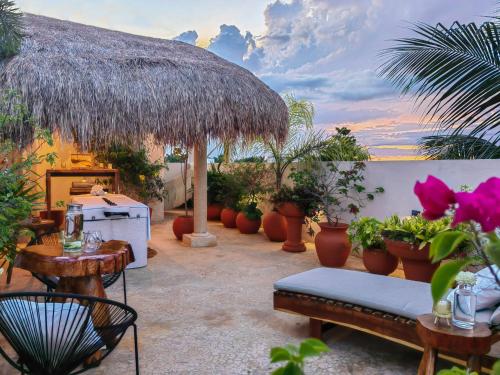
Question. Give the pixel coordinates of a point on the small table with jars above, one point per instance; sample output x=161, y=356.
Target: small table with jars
x=448, y=339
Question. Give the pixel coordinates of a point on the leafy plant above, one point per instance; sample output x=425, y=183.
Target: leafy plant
x=60, y=203
x=140, y=176
x=11, y=30
x=217, y=186
x=343, y=146
x=414, y=229
x=366, y=233
x=454, y=72
x=252, y=179
x=294, y=357
x=445, y=147
x=251, y=211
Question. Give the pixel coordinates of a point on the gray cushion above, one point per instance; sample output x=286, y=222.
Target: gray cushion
x=389, y=294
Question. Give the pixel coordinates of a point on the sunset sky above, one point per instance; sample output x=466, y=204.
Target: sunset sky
x=322, y=50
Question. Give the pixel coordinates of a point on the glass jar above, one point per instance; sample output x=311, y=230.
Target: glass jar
x=73, y=228
x=464, y=307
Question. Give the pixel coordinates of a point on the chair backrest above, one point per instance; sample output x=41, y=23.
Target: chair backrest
x=53, y=333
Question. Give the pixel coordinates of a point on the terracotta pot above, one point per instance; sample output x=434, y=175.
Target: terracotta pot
x=332, y=245
x=294, y=219
x=247, y=226
x=228, y=217
x=214, y=211
x=274, y=225
x=183, y=225
x=56, y=214
x=379, y=261
x=416, y=263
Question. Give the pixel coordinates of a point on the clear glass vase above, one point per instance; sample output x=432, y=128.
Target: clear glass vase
x=464, y=307
x=73, y=230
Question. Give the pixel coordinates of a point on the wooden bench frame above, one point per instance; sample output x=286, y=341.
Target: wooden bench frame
x=385, y=325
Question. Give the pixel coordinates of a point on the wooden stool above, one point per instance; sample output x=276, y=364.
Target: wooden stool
x=469, y=343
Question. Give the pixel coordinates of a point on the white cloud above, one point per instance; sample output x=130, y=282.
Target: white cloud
x=189, y=37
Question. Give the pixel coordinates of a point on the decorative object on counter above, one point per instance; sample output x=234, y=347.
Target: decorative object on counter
x=464, y=301
x=92, y=241
x=442, y=312
x=97, y=190
x=73, y=228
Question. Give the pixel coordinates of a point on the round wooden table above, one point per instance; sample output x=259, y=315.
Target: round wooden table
x=78, y=272
x=468, y=343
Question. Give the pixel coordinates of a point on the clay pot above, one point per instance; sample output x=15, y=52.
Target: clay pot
x=183, y=225
x=274, y=225
x=56, y=214
x=416, y=263
x=294, y=216
x=332, y=245
x=379, y=261
x=247, y=226
x=214, y=211
x=228, y=217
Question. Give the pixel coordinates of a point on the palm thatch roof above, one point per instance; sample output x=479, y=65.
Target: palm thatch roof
x=93, y=84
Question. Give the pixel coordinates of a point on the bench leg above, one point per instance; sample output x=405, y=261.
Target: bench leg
x=474, y=363
x=315, y=328
x=428, y=362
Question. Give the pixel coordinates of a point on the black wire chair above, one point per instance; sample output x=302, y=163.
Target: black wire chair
x=55, y=333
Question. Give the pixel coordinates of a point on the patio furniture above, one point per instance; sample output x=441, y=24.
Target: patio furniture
x=472, y=344
x=379, y=305
x=54, y=333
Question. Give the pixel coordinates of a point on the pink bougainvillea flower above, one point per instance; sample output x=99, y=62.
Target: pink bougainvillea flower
x=435, y=196
x=481, y=206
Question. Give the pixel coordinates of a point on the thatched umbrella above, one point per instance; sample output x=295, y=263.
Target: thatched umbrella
x=95, y=85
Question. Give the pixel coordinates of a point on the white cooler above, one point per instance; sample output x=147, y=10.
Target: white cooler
x=127, y=221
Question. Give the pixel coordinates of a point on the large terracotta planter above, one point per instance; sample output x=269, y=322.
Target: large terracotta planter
x=183, y=225
x=332, y=245
x=274, y=225
x=416, y=263
x=247, y=226
x=294, y=219
x=56, y=214
x=379, y=261
x=228, y=217
x=214, y=211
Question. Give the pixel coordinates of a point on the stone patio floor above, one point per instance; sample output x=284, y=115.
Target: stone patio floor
x=210, y=311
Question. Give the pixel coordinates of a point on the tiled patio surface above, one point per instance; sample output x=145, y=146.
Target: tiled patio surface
x=209, y=311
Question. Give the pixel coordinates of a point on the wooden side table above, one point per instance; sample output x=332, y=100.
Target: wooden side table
x=471, y=344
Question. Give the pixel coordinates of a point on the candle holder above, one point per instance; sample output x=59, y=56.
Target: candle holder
x=442, y=313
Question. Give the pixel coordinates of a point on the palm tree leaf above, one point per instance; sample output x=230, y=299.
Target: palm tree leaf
x=446, y=146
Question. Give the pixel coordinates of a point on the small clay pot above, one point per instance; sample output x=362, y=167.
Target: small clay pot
x=228, y=217
x=416, y=263
x=183, y=225
x=274, y=225
x=332, y=245
x=214, y=211
x=379, y=261
x=247, y=226
x=294, y=219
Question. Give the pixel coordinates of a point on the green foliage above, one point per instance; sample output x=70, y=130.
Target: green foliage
x=458, y=371
x=445, y=243
x=293, y=356
x=444, y=147
x=251, y=211
x=217, y=186
x=444, y=277
x=11, y=30
x=250, y=181
x=414, y=229
x=19, y=189
x=139, y=176
x=343, y=146
x=251, y=159
x=366, y=233
x=453, y=72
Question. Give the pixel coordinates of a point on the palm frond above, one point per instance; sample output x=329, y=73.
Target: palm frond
x=11, y=32
x=444, y=147
x=454, y=72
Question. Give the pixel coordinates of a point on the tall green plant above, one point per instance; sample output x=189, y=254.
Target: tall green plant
x=454, y=72
x=11, y=30
x=445, y=147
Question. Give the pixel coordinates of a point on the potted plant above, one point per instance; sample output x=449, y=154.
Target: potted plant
x=366, y=234
x=183, y=224
x=252, y=177
x=301, y=142
x=410, y=239
x=231, y=200
x=339, y=191
x=216, y=190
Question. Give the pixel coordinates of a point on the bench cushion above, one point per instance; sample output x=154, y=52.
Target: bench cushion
x=396, y=296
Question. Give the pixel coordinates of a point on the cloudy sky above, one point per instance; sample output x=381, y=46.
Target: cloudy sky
x=322, y=50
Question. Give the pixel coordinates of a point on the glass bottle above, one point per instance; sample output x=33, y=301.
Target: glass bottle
x=464, y=307
x=73, y=229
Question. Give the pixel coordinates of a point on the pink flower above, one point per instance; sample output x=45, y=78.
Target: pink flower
x=481, y=206
x=435, y=196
